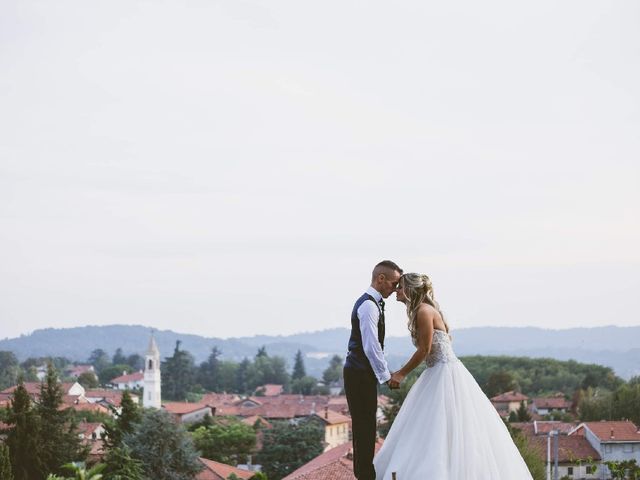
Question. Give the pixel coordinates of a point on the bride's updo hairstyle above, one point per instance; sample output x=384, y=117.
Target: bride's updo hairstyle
x=418, y=290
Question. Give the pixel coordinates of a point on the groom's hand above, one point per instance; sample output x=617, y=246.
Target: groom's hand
x=395, y=380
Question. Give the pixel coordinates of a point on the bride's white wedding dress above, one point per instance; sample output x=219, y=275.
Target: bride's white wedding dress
x=447, y=429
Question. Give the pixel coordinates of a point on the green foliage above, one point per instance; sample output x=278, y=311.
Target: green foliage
x=9, y=369
x=118, y=357
x=178, y=374
x=304, y=386
x=333, y=372
x=124, y=423
x=499, y=382
x=523, y=414
x=120, y=465
x=624, y=470
x=226, y=440
x=209, y=372
x=164, y=447
x=22, y=436
x=622, y=403
x=5, y=463
x=88, y=380
x=266, y=369
x=80, y=472
x=539, y=376
x=298, y=367
x=99, y=359
x=58, y=442
x=531, y=456
x=110, y=372
x=287, y=446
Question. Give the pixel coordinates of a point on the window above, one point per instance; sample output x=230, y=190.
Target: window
x=150, y=365
x=569, y=470
x=627, y=447
x=590, y=469
x=608, y=448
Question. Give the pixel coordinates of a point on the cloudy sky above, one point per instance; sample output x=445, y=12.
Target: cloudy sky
x=230, y=167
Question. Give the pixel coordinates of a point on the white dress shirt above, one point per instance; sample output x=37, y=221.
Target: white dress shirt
x=369, y=314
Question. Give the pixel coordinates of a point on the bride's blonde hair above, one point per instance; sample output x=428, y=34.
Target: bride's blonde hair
x=418, y=289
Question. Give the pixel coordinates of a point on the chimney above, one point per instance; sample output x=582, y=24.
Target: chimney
x=326, y=413
x=612, y=435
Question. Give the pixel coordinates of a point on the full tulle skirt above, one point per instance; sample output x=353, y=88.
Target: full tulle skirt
x=447, y=429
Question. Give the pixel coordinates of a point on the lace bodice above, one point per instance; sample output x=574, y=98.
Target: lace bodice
x=441, y=350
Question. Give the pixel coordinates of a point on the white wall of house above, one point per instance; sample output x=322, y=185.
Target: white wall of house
x=335, y=435
x=195, y=416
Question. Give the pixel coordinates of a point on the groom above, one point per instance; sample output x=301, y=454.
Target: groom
x=366, y=367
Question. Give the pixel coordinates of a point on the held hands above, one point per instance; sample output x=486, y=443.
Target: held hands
x=395, y=380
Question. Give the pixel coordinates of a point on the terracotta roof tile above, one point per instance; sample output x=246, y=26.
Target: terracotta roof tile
x=221, y=471
x=182, y=408
x=617, y=431
x=510, y=396
x=129, y=377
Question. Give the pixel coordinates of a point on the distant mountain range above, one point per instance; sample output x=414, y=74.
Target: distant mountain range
x=615, y=347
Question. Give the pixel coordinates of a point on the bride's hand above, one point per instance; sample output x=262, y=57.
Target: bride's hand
x=396, y=380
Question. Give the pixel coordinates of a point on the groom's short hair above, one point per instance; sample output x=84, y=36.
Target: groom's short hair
x=386, y=265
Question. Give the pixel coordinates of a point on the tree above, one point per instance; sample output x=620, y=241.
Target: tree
x=209, y=371
x=135, y=361
x=530, y=455
x=22, y=436
x=164, y=447
x=9, y=368
x=88, y=380
x=58, y=442
x=298, y=367
x=333, y=373
x=178, y=374
x=242, y=376
x=5, y=463
x=287, y=446
x=228, y=440
x=79, y=472
x=523, y=413
x=120, y=465
x=124, y=423
x=113, y=371
x=304, y=386
x=499, y=382
x=118, y=357
x=99, y=359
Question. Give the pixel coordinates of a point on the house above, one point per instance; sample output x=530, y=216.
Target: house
x=33, y=389
x=91, y=436
x=186, y=412
x=221, y=471
x=336, y=427
x=74, y=371
x=269, y=390
x=128, y=381
x=577, y=459
x=334, y=464
x=548, y=405
x=613, y=440
x=508, y=402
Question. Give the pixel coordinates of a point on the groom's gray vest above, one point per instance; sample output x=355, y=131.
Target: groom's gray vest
x=356, y=357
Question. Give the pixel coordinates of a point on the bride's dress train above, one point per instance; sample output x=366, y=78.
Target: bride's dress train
x=447, y=429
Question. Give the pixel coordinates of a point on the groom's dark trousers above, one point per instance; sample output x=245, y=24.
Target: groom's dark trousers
x=361, y=388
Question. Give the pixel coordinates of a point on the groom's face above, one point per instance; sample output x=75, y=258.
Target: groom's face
x=389, y=283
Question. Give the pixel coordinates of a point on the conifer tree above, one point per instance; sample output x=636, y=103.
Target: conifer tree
x=22, y=436
x=5, y=463
x=298, y=367
x=128, y=415
x=58, y=441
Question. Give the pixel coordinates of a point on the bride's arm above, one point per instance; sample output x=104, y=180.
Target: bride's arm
x=424, y=324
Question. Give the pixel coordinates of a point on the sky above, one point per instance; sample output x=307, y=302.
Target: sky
x=231, y=168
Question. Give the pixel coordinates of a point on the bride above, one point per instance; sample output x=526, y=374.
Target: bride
x=447, y=429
